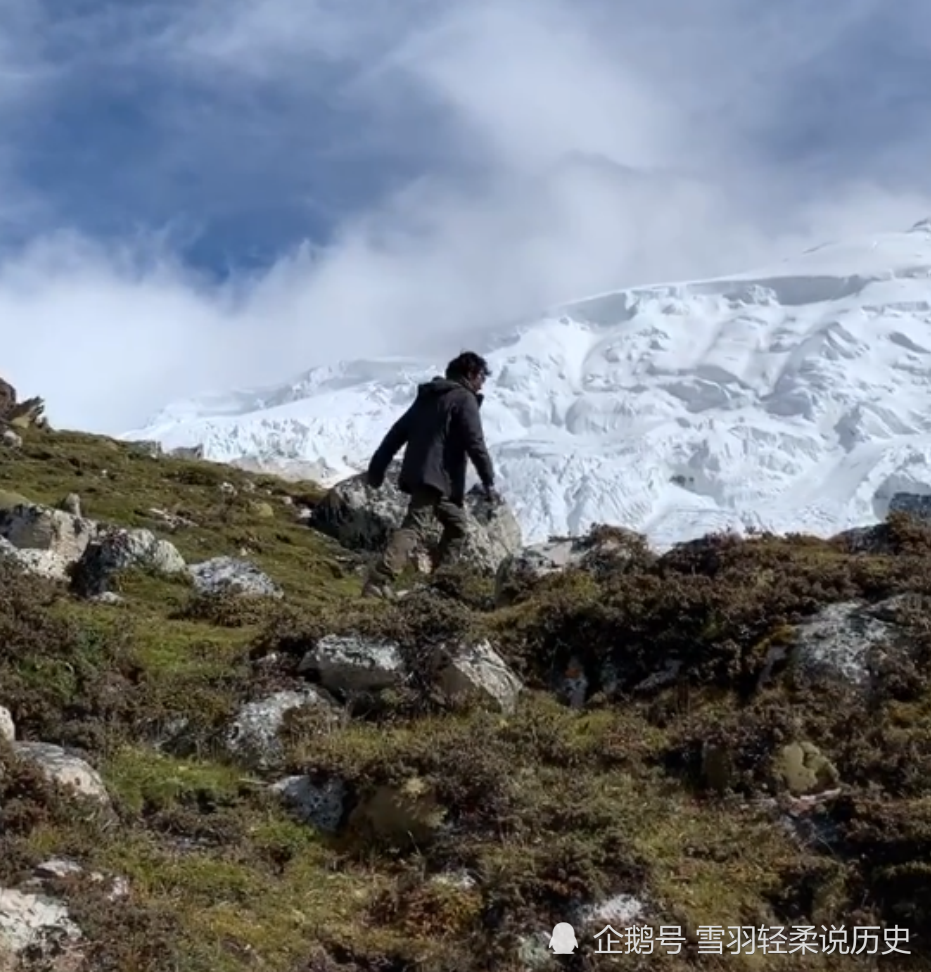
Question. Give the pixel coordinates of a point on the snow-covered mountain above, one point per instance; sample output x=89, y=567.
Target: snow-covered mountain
x=794, y=397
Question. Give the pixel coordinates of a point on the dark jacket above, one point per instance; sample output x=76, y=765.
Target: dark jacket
x=441, y=429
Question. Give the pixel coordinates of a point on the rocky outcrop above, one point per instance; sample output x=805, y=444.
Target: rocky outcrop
x=34, y=527
x=62, y=545
x=20, y=414
x=361, y=518
x=465, y=672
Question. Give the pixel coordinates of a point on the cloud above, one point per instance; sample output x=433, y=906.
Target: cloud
x=202, y=195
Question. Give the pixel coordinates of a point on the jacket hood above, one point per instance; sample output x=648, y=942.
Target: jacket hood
x=443, y=386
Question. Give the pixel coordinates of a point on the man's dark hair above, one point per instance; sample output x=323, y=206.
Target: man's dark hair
x=466, y=365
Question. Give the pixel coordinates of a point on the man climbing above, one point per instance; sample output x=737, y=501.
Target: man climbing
x=441, y=430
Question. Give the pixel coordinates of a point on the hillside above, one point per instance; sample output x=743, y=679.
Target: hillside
x=635, y=752
x=791, y=397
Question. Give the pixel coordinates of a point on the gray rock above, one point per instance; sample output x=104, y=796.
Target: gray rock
x=65, y=769
x=61, y=867
x=10, y=439
x=844, y=640
x=7, y=726
x=115, y=550
x=352, y=663
x=915, y=504
x=253, y=734
x=229, y=575
x=36, y=924
x=320, y=805
x=41, y=563
x=362, y=519
x=479, y=672
x=71, y=504
x=35, y=527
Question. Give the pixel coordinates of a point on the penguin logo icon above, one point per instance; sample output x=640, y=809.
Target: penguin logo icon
x=562, y=941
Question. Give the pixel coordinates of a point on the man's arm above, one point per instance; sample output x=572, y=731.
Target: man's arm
x=392, y=443
x=470, y=423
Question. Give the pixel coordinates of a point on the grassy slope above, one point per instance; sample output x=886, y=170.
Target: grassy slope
x=549, y=805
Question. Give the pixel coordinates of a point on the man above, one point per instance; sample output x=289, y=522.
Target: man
x=441, y=430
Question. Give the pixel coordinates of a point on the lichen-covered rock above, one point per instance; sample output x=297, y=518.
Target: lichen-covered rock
x=63, y=768
x=230, y=575
x=40, y=926
x=115, y=550
x=353, y=663
x=41, y=563
x=478, y=672
x=253, y=735
x=846, y=640
x=361, y=518
x=35, y=527
x=322, y=805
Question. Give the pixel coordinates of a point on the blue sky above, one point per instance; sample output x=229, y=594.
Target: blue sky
x=202, y=194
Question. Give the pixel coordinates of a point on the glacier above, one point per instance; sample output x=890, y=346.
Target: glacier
x=792, y=398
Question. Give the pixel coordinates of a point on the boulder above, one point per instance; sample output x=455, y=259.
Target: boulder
x=116, y=550
x=11, y=439
x=253, y=735
x=41, y=563
x=229, y=575
x=17, y=413
x=478, y=672
x=28, y=413
x=65, y=769
x=320, y=804
x=58, y=543
x=844, y=641
x=354, y=663
x=361, y=518
x=35, y=527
